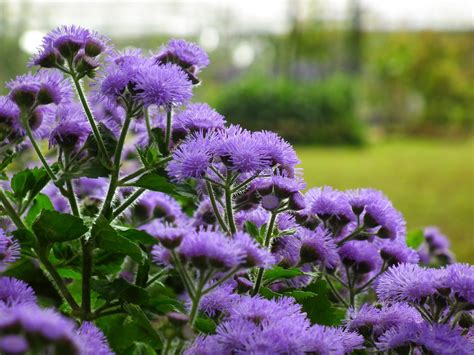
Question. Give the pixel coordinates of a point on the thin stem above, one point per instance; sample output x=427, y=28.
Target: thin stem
x=334, y=291
x=71, y=196
x=197, y=299
x=148, y=124
x=144, y=170
x=26, y=126
x=58, y=280
x=268, y=237
x=106, y=208
x=351, y=287
x=157, y=276
x=243, y=184
x=368, y=283
x=11, y=211
x=169, y=123
x=88, y=112
x=87, y=248
x=222, y=280
x=212, y=198
x=228, y=204
x=129, y=201
x=351, y=236
x=188, y=284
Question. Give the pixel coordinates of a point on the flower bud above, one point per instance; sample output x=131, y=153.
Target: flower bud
x=67, y=46
x=24, y=96
x=270, y=202
x=93, y=47
x=297, y=202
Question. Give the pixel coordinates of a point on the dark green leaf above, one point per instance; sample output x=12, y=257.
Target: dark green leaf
x=109, y=139
x=40, y=203
x=25, y=237
x=91, y=169
x=52, y=226
x=119, y=288
x=138, y=236
x=205, y=325
x=107, y=238
x=142, y=321
x=154, y=182
x=252, y=229
x=318, y=307
x=140, y=348
x=415, y=238
x=280, y=273
x=29, y=181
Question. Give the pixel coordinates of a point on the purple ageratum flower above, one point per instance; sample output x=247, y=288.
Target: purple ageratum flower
x=286, y=250
x=361, y=256
x=91, y=188
x=240, y=151
x=406, y=283
x=171, y=237
x=187, y=55
x=72, y=129
x=318, y=247
x=459, y=278
x=161, y=255
x=253, y=255
x=158, y=205
x=257, y=216
x=92, y=340
x=330, y=340
x=165, y=86
x=15, y=292
x=44, y=87
x=374, y=321
x=435, y=239
x=9, y=117
x=60, y=203
x=326, y=202
x=13, y=344
x=68, y=41
x=192, y=158
x=43, y=328
x=220, y=300
x=284, y=186
x=280, y=152
x=9, y=250
x=435, y=339
x=206, y=249
x=208, y=345
x=200, y=116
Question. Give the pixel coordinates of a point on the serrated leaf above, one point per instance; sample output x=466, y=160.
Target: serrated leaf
x=119, y=288
x=91, y=169
x=141, y=320
x=52, y=226
x=138, y=236
x=25, y=237
x=40, y=203
x=415, y=238
x=107, y=238
x=154, y=182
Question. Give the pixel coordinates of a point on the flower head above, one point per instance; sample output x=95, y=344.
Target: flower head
x=92, y=340
x=326, y=202
x=318, y=247
x=200, y=116
x=165, y=86
x=9, y=117
x=72, y=129
x=253, y=255
x=15, y=292
x=362, y=256
x=9, y=250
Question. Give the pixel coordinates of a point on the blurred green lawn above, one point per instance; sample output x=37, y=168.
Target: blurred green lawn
x=431, y=182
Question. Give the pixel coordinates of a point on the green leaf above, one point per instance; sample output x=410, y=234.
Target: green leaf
x=138, y=236
x=119, y=288
x=29, y=181
x=69, y=274
x=25, y=237
x=415, y=238
x=142, y=321
x=107, y=238
x=40, y=203
x=154, y=182
x=319, y=308
x=278, y=273
x=91, y=169
x=205, y=325
x=140, y=348
x=252, y=229
x=52, y=226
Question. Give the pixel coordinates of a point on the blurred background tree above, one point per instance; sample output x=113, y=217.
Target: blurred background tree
x=393, y=80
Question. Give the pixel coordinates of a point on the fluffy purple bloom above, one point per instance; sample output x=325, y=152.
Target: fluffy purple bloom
x=92, y=340
x=280, y=151
x=361, y=256
x=187, y=55
x=329, y=340
x=161, y=255
x=192, y=158
x=44, y=87
x=397, y=252
x=286, y=250
x=252, y=253
x=406, y=283
x=210, y=249
x=165, y=86
x=42, y=327
x=435, y=239
x=326, y=202
x=200, y=116
x=9, y=117
x=158, y=205
x=72, y=129
x=15, y=292
x=257, y=216
x=9, y=250
x=318, y=247
x=13, y=344
x=68, y=41
x=170, y=237
x=374, y=321
x=204, y=214
x=91, y=188
x=219, y=301
x=435, y=339
x=284, y=186
x=59, y=202
x=460, y=279
x=240, y=151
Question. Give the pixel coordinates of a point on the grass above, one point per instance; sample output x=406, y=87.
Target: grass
x=430, y=182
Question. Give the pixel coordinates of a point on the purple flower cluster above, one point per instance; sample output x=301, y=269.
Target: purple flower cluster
x=9, y=250
x=435, y=248
x=257, y=325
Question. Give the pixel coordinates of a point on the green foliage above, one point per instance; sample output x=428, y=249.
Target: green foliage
x=29, y=181
x=154, y=182
x=321, y=112
x=52, y=226
x=415, y=238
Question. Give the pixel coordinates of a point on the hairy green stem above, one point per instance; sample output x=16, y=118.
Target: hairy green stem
x=268, y=237
x=169, y=123
x=334, y=291
x=128, y=202
x=11, y=211
x=212, y=198
x=228, y=204
x=87, y=260
x=90, y=117
x=144, y=170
